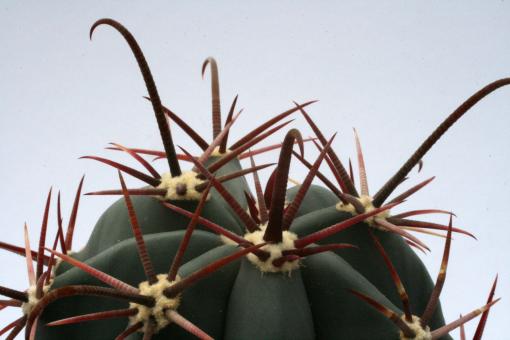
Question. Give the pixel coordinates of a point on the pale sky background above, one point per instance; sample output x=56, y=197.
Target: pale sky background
x=392, y=71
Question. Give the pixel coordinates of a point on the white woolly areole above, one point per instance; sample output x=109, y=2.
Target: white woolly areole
x=216, y=152
x=366, y=201
x=188, y=178
x=421, y=334
x=27, y=307
x=163, y=304
x=275, y=251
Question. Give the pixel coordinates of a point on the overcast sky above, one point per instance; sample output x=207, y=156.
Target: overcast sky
x=393, y=72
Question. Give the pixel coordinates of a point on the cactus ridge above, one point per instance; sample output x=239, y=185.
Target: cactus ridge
x=194, y=254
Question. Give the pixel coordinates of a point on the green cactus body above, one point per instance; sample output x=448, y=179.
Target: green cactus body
x=369, y=263
x=295, y=305
x=294, y=300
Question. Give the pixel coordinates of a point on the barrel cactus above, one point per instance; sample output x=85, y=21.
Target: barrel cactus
x=196, y=254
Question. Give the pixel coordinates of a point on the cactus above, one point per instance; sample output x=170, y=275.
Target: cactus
x=196, y=254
